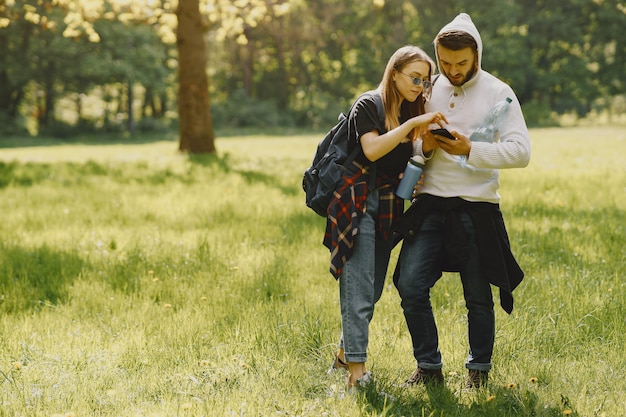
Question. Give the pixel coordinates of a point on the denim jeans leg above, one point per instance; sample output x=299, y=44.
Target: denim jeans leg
x=479, y=303
x=420, y=268
x=361, y=283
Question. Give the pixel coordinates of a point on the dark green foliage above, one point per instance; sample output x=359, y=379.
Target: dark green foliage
x=302, y=67
x=238, y=110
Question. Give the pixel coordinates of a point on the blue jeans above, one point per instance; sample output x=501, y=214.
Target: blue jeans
x=421, y=265
x=361, y=283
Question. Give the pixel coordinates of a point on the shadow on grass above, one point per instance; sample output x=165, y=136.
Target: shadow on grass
x=252, y=177
x=32, y=277
x=222, y=163
x=255, y=177
x=440, y=400
x=69, y=174
x=89, y=139
x=126, y=138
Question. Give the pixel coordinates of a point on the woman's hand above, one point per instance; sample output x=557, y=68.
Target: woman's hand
x=422, y=121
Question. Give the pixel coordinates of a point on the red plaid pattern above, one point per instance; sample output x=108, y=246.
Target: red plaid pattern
x=346, y=208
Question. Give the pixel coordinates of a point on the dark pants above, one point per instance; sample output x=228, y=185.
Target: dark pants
x=421, y=265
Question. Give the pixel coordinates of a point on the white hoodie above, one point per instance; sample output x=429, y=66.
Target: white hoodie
x=465, y=108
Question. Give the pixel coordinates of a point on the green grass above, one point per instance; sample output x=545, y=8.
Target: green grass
x=138, y=282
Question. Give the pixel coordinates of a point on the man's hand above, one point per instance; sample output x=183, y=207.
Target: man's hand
x=429, y=142
x=459, y=146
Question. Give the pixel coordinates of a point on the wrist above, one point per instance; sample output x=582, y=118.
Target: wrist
x=426, y=149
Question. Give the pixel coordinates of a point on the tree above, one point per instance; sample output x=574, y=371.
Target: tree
x=16, y=34
x=283, y=62
x=194, y=112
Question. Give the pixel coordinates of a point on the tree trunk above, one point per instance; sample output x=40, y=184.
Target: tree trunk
x=131, y=114
x=194, y=111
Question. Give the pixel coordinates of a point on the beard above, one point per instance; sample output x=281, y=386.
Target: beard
x=466, y=78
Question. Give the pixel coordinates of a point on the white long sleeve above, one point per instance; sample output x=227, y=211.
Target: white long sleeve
x=465, y=108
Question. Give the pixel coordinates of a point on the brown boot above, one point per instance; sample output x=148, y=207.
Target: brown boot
x=425, y=376
x=477, y=378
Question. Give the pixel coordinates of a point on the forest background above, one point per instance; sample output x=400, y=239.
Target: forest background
x=91, y=66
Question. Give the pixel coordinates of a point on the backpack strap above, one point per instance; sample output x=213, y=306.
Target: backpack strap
x=381, y=116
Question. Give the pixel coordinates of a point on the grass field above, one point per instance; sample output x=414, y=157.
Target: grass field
x=138, y=282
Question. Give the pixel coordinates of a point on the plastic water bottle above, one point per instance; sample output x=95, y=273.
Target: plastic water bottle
x=493, y=122
x=412, y=174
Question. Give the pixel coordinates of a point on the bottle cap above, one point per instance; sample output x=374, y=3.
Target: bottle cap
x=418, y=159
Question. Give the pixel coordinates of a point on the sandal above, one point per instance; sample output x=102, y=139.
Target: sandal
x=360, y=383
x=337, y=364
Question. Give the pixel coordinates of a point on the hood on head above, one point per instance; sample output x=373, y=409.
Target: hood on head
x=463, y=22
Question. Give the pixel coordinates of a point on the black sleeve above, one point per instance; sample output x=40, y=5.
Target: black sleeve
x=364, y=118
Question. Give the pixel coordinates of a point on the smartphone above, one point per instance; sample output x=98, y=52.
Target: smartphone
x=443, y=132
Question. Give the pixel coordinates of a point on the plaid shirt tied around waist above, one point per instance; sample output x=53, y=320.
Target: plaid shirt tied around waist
x=347, y=207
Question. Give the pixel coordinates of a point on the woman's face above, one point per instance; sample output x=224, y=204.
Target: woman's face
x=410, y=79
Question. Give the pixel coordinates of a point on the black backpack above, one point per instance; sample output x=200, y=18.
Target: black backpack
x=330, y=160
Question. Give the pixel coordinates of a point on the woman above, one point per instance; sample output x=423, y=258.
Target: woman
x=358, y=228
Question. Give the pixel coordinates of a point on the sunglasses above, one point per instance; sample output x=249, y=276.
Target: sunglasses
x=418, y=81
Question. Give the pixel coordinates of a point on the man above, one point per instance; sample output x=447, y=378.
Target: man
x=455, y=223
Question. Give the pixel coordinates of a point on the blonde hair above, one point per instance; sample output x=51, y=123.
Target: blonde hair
x=388, y=91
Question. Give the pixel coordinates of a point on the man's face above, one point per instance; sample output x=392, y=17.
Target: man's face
x=458, y=66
